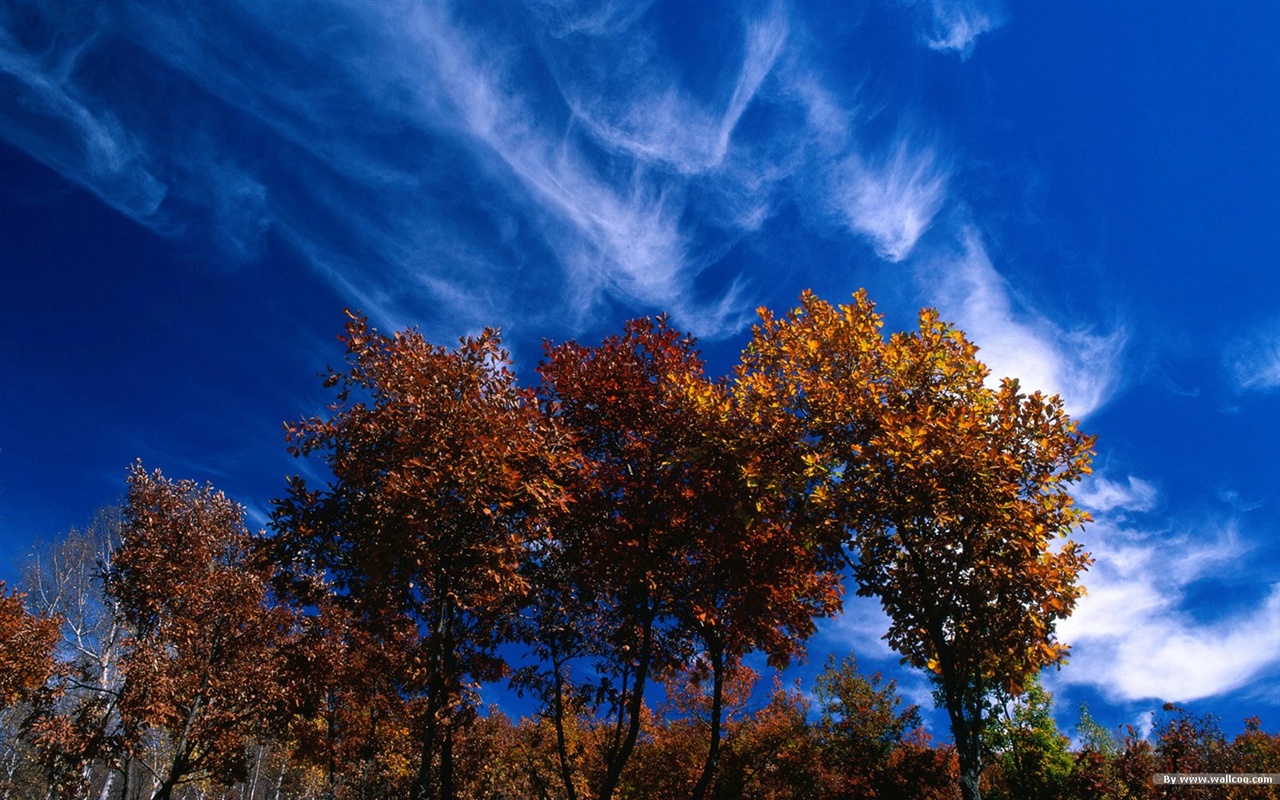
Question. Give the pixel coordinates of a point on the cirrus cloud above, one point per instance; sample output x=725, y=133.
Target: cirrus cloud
x=1135, y=636
x=1077, y=363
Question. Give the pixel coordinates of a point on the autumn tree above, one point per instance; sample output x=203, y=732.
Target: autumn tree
x=1134, y=765
x=954, y=494
x=557, y=623
x=26, y=648
x=760, y=564
x=440, y=476
x=671, y=759
x=1189, y=743
x=775, y=753
x=622, y=542
x=27, y=643
x=1254, y=750
x=200, y=675
x=685, y=535
x=352, y=724
x=499, y=759
x=1178, y=741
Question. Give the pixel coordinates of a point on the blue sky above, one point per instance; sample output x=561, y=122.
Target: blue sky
x=190, y=194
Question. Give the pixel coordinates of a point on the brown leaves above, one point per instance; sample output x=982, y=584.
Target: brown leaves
x=632, y=512
x=202, y=661
x=443, y=471
x=440, y=463
x=26, y=648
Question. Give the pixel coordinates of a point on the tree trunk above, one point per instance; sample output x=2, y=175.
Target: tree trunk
x=617, y=759
x=165, y=792
x=969, y=778
x=562, y=746
x=446, y=763
x=250, y=787
x=125, y=769
x=437, y=735
x=279, y=785
x=425, y=787
x=181, y=764
x=716, y=653
x=107, y=782
x=966, y=728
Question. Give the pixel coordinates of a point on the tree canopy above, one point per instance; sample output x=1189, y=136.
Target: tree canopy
x=954, y=495
x=442, y=468
x=624, y=527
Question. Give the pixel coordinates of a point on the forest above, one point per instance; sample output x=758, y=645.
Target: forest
x=612, y=542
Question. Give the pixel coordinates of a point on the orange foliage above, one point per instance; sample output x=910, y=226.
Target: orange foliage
x=202, y=660
x=954, y=494
x=26, y=648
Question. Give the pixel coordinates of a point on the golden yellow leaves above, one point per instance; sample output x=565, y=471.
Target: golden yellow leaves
x=952, y=492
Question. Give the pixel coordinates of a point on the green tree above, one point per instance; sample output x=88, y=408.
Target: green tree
x=862, y=724
x=1032, y=758
x=1094, y=773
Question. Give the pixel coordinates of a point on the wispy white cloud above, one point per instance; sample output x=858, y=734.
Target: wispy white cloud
x=1144, y=723
x=1237, y=502
x=634, y=105
x=861, y=627
x=1097, y=493
x=566, y=17
x=825, y=114
x=618, y=227
x=892, y=200
x=408, y=155
x=621, y=237
x=860, y=630
x=764, y=42
x=1133, y=636
x=376, y=199
x=176, y=182
x=68, y=132
x=888, y=196
x=1253, y=361
x=955, y=25
x=1079, y=364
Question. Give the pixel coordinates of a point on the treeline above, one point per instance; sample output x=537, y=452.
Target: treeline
x=851, y=737
x=624, y=526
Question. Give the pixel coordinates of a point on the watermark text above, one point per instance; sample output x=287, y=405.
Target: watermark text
x=1215, y=778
